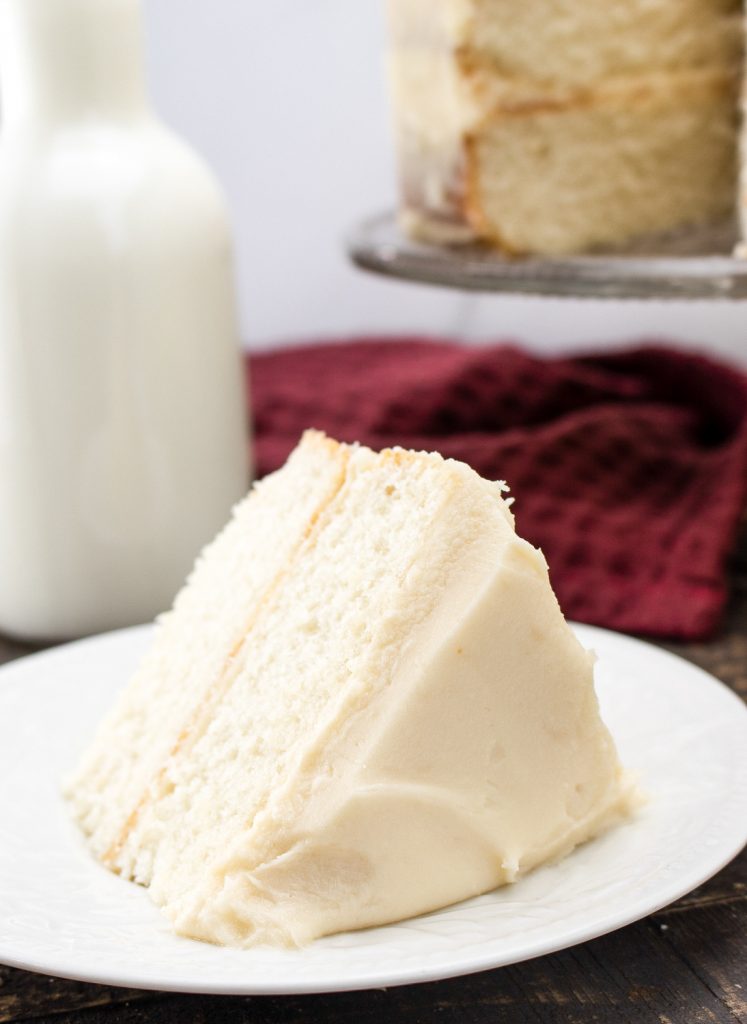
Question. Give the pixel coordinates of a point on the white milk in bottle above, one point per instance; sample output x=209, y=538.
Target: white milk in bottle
x=122, y=422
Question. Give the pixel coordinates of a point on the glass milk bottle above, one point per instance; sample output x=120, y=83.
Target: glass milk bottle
x=122, y=424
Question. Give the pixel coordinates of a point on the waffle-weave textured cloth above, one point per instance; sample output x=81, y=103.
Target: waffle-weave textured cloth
x=629, y=470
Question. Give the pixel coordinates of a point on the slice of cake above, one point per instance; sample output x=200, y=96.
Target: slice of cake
x=552, y=126
x=366, y=704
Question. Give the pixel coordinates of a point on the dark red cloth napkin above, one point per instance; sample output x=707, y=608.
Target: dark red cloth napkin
x=629, y=470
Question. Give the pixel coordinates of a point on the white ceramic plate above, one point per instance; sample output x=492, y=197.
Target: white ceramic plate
x=683, y=732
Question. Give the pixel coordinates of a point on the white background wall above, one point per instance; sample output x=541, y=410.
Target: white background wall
x=286, y=100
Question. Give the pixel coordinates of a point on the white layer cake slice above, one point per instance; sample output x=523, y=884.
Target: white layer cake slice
x=555, y=126
x=365, y=705
x=189, y=664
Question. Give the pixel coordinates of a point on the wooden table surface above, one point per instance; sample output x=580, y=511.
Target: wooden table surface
x=687, y=963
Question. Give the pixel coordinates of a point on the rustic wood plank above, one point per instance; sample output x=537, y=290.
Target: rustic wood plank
x=709, y=938
x=26, y=996
x=127, y=1011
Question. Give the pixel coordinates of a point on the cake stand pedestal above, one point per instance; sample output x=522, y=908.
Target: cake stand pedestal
x=687, y=264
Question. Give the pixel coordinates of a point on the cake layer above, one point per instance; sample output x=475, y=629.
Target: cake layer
x=574, y=42
x=564, y=170
x=187, y=666
x=294, y=659
x=627, y=160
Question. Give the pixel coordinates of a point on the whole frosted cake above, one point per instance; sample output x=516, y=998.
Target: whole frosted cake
x=554, y=126
x=365, y=704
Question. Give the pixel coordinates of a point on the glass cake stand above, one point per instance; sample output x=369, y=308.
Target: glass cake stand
x=688, y=264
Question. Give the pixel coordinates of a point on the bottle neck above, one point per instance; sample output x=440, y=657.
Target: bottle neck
x=65, y=60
